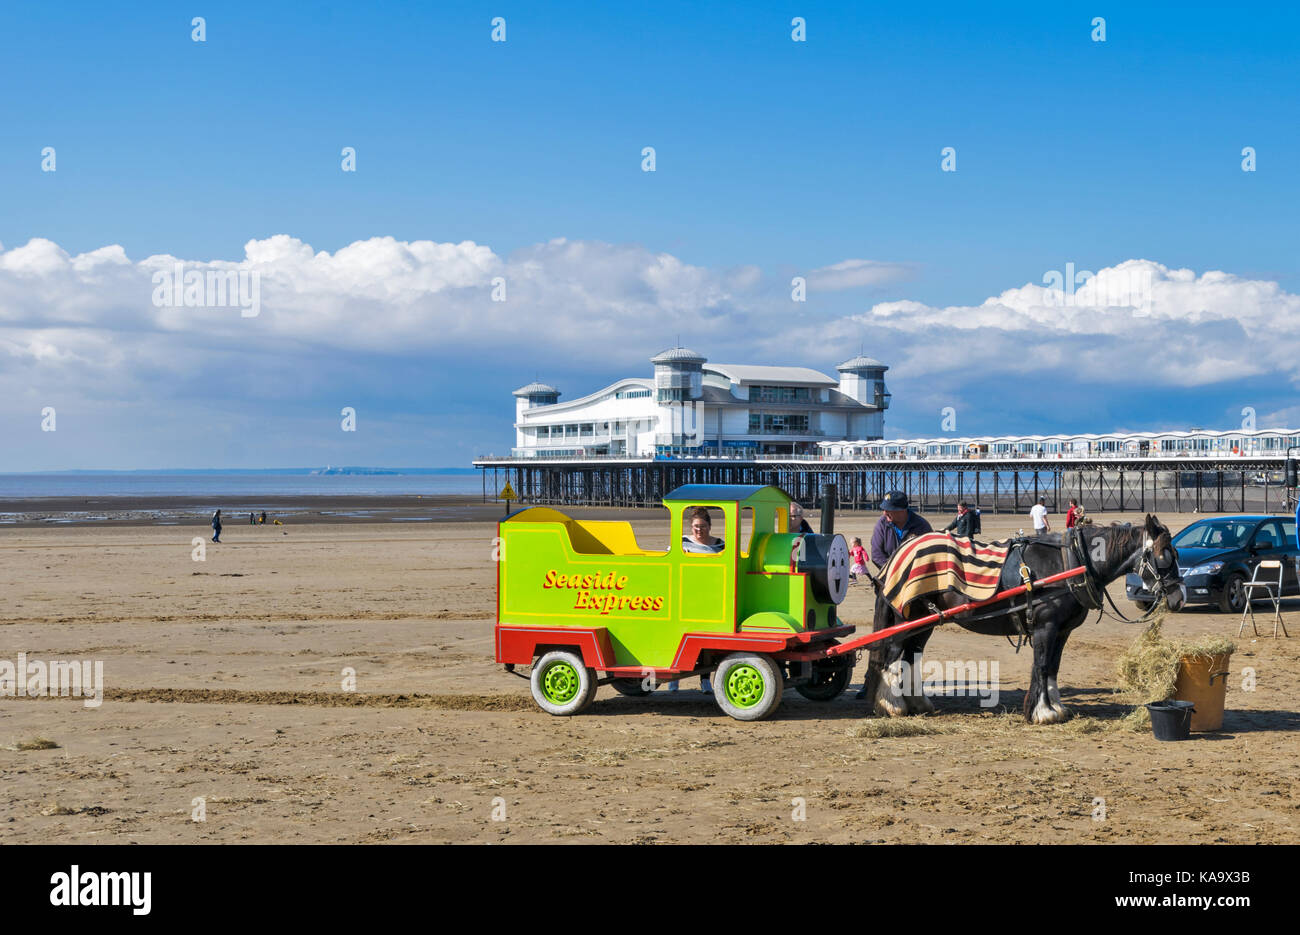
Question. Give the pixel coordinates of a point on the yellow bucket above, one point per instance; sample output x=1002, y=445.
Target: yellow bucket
x=1203, y=680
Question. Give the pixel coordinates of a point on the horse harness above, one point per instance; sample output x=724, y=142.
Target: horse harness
x=1085, y=589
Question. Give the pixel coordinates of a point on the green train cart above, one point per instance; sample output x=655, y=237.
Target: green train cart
x=583, y=604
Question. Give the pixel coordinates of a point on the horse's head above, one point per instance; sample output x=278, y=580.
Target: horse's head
x=1157, y=564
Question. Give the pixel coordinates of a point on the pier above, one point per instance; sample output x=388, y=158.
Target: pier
x=1204, y=483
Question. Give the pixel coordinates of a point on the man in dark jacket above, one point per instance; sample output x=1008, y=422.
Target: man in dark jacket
x=897, y=522
x=967, y=523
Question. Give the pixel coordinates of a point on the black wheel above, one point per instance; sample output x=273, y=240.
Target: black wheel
x=1233, y=600
x=829, y=679
x=1143, y=606
x=633, y=688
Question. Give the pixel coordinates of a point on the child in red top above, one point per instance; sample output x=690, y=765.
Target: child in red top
x=859, y=556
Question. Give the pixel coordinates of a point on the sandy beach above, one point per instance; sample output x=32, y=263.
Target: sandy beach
x=225, y=683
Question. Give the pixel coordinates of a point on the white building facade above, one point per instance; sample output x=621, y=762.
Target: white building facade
x=691, y=408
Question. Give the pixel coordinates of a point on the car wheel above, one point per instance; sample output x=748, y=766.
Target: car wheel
x=1233, y=600
x=1143, y=606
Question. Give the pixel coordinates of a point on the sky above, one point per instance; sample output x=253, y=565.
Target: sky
x=127, y=147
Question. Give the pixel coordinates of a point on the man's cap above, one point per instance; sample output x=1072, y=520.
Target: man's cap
x=894, y=500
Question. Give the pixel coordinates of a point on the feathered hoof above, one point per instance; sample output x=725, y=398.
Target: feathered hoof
x=1044, y=713
x=890, y=707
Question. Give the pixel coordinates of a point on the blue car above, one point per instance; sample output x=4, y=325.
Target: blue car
x=1217, y=556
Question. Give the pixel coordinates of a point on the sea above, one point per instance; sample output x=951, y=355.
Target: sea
x=235, y=484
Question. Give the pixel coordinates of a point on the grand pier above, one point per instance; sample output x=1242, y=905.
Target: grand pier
x=1206, y=472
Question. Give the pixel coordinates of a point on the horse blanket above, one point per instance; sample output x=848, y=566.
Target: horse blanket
x=937, y=562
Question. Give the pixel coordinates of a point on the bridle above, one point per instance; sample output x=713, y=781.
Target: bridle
x=1157, y=559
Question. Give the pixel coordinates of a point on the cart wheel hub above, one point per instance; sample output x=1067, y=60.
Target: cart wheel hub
x=560, y=683
x=745, y=686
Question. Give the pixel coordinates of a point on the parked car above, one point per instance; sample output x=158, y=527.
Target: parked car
x=1217, y=556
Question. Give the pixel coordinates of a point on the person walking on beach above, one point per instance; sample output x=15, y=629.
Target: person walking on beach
x=216, y=526
x=1038, y=513
x=263, y=519
x=967, y=523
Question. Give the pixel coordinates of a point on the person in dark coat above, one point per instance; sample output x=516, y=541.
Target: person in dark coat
x=797, y=523
x=216, y=526
x=966, y=525
x=897, y=522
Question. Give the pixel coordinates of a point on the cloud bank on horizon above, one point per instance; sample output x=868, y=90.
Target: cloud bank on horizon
x=427, y=339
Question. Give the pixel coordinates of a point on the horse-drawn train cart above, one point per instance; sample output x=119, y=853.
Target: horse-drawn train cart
x=584, y=605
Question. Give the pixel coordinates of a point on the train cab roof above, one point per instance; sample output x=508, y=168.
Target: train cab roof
x=702, y=493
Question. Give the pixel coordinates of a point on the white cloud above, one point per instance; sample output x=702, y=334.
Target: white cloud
x=855, y=274
x=1174, y=328
x=416, y=321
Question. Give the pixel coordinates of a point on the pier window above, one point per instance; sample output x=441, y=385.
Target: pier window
x=767, y=423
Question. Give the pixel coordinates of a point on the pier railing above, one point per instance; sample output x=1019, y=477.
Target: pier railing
x=1200, y=482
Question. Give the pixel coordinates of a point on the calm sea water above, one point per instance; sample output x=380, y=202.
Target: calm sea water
x=18, y=486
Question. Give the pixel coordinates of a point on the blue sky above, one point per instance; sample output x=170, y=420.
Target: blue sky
x=774, y=159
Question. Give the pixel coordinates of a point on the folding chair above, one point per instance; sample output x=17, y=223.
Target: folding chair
x=1274, y=591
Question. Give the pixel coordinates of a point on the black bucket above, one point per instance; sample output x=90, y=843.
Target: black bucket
x=1171, y=720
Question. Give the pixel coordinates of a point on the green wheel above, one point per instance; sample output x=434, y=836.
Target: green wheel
x=562, y=683
x=748, y=686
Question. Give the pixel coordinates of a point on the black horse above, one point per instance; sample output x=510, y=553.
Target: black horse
x=1105, y=551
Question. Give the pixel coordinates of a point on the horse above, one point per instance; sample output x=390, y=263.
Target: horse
x=1106, y=553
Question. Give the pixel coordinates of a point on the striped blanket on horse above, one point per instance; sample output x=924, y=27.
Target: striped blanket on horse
x=937, y=562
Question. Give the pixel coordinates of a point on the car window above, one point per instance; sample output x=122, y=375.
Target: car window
x=1288, y=534
x=1269, y=536
x=1220, y=534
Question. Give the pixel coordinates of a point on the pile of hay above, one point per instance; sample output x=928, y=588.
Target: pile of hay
x=1149, y=668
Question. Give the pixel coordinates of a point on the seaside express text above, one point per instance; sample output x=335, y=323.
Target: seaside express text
x=587, y=585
